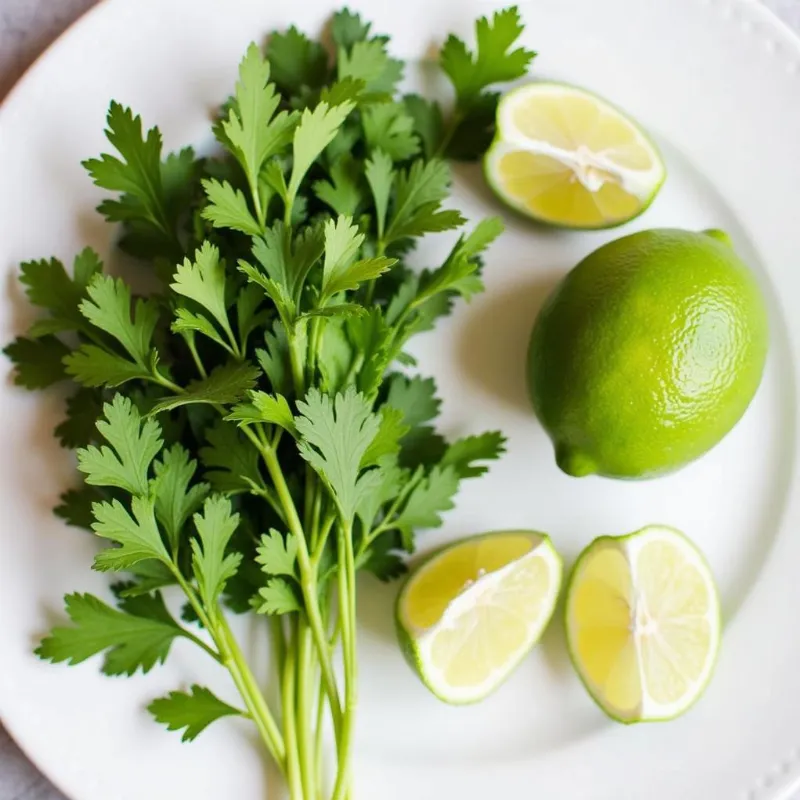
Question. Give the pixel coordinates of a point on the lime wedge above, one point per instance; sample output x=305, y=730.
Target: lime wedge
x=566, y=157
x=643, y=623
x=469, y=615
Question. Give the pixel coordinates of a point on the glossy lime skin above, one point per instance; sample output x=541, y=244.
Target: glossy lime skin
x=647, y=353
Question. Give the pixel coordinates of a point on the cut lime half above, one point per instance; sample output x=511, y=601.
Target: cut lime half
x=643, y=623
x=566, y=157
x=468, y=616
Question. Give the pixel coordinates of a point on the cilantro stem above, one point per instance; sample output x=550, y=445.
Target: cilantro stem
x=231, y=656
x=248, y=689
x=198, y=641
x=347, y=616
x=388, y=520
x=456, y=119
x=278, y=645
x=318, y=736
x=308, y=582
x=288, y=692
x=196, y=356
x=298, y=368
x=305, y=653
x=380, y=250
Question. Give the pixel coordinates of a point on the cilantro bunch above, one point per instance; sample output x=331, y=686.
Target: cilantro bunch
x=244, y=434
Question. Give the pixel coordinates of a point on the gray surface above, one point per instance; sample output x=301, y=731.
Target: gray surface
x=26, y=28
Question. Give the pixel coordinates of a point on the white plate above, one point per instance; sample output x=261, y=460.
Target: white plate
x=717, y=82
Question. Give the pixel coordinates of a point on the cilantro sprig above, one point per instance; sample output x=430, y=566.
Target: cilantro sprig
x=247, y=438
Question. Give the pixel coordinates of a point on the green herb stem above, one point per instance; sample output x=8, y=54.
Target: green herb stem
x=289, y=688
x=248, y=689
x=308, y=582
x=304, y=692
x=347, y=616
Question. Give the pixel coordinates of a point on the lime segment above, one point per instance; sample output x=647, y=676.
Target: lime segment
x=643, y=623
x=470, y=614
x=567, y=157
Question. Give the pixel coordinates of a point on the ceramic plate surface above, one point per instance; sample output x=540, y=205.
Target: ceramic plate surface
x=717, y=83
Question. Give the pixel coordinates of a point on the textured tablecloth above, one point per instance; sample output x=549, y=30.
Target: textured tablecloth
x=26, y=28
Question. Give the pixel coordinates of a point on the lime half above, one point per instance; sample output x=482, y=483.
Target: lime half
x=643, y=623
x=470, y=614
x=566, y=157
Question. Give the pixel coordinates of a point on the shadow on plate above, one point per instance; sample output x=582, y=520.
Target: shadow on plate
x=493, y=345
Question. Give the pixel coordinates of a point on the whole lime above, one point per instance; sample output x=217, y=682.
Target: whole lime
x=647, y=353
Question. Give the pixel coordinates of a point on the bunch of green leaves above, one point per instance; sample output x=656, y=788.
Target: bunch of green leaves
x=258, y=441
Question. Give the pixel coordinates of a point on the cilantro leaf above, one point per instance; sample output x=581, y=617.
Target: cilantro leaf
x=493, y=62
x=48, y=286
x=419, y=192
x=93, y=366
x=381, y=560
x=296, y=61
x=150, y=575
x=263, y=407
x=252, y=130
x=137, y=534
x=471, y=73
x=277, y=554
x=337, y=354
x=250, y=313
x=137, y=174
x=336, y=434
x=187, y=323
x=428, y=122
x=457, y=274
x=38, y=362
x=191, y=711
x=387, y=441
x=133, y=640
x=347, y=28
x=134, y=445
x=464, y=453
x=231, y=461
x=287, y=259
x=371, y=336
x=430, y=497
x=212, y=567
x=225, y=385
x=79, y=427
x=314, y=133
x=389, y=128
x=76, y=506
x=109, y=308
x=175, y=502
x=342, y=192
x=416, y=398
x=227, y=208
x=380, y=177
x=339, y=271
x=274, y=359
x=392, y=479
x=279, y=596
x=368, y=61
x=203, y=280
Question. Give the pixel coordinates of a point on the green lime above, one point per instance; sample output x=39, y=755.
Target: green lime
x=647, y=353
